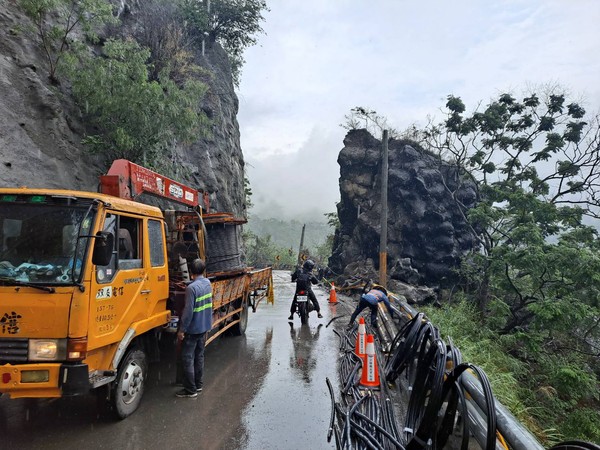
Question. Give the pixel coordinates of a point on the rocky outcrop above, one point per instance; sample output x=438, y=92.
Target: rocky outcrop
x=41, y=128
x=427, y=231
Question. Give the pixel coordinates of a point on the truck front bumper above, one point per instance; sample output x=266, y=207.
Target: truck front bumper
x=44, y=380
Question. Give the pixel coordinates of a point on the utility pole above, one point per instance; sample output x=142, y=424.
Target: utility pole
x=301, y=245
x=384, y=211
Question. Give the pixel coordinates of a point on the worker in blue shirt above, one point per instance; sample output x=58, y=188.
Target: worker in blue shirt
x=371, y=300
x=194, y=325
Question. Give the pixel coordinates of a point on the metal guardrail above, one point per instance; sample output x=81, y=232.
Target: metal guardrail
x=516, y=435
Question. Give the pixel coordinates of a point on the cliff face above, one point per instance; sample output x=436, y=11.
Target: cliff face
x=41, y=128
x=39, y=132
x=427, y=234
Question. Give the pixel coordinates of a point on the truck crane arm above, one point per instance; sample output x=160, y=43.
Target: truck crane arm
x=128, y=180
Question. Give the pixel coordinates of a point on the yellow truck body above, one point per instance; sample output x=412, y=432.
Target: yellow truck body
x=70, y=321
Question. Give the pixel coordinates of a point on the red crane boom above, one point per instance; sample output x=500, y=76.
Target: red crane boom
x=129, y=180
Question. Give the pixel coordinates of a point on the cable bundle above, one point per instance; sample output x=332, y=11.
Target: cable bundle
x=445, y=397
x=365, y=417
x=437, y=401
x=576, y=445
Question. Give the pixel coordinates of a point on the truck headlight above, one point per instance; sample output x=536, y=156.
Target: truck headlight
x=47, y=349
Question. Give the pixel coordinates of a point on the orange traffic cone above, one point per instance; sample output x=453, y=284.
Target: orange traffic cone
x=332, y=294
x=370, y=371
x=361, y=339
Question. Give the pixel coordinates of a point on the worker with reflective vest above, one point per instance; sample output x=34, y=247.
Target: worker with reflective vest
x=195, y=323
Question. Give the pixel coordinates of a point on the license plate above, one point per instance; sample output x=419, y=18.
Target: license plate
x=301, y=298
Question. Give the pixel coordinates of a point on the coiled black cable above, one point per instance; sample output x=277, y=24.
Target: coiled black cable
x=490, y=409
x=454, y=397
x=367, y=439
x=393, y=439
x=368, y=421
x=426, y=398
x=404, y=347
x=346, y=438
x=437, y=401
x=576, y=445
x=332, y=417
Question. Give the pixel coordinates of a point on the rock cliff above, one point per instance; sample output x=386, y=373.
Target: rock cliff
x=41, y=128
x=427, y=232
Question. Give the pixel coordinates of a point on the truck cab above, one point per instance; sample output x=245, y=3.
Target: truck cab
x=83, y=279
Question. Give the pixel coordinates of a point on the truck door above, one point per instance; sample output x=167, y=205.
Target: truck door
x=119, y=295
x=156, y=283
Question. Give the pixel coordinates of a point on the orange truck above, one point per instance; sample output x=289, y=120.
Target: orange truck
x=90, y=282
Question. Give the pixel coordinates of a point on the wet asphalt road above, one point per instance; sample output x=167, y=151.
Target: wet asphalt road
x=264, y=390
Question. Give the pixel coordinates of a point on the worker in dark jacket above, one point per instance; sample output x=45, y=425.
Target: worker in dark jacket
x=371, y=300
x=304, y=278
x=194, y=325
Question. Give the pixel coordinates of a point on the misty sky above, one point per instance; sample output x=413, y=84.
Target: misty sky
x=320, y=58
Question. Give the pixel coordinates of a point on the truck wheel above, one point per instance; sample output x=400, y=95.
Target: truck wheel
x=240, y=328
x=128, y=388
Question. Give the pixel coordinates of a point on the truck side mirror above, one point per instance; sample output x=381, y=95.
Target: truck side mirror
x=104, y=244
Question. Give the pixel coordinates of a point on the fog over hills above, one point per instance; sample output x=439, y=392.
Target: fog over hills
x=287, y=233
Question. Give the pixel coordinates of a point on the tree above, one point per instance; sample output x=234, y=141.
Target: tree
x=368, y=119
x=263, y=252
x=332, y=220
x=131, y=116
x=323, y=251
x=247, y=193
x=536, y=164
x=232, y=23
x=68, y=16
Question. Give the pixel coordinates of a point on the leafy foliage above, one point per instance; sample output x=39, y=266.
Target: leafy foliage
x=232, y=23
x=536, y=165
x=323, y=251
x=332, y=220
x=247, y=193
x=284, y=238
x=68, y=16
x=263, y=252
x=583, y=424
x=161, y=28
x=368, y=119
x=134, y=118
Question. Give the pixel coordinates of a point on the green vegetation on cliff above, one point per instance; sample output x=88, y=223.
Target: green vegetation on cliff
x=134, y=117
x=139, y=88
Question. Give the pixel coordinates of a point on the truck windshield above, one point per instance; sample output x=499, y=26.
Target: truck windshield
x=43, y=243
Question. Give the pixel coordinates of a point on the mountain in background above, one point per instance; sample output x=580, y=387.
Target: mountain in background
x=287, y=233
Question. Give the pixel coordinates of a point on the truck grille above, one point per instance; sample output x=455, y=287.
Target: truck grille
x=13, y=350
